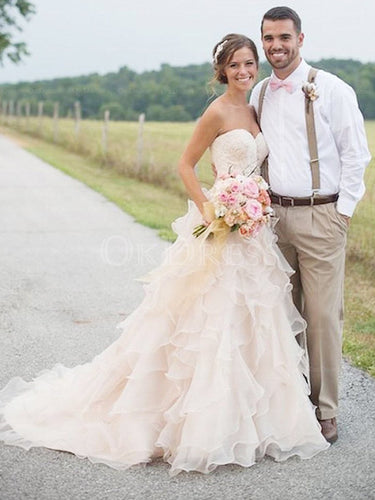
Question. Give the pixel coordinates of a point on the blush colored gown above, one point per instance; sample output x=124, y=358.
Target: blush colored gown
x=207, y=370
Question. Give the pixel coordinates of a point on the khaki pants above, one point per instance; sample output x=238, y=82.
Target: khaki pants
x=313, y=241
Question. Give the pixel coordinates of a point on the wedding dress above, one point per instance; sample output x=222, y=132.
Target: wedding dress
x=207, y=370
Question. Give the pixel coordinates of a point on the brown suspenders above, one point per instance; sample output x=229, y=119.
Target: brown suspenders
x=311, y=137
x=311, y=133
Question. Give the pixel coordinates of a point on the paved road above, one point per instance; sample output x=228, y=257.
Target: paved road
x=68, y=260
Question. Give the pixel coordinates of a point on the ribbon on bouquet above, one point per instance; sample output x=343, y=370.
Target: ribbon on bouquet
x=217, y=229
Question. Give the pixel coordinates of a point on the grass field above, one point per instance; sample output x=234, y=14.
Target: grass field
x=158, y=201
x=359, y=338
x=162, y=143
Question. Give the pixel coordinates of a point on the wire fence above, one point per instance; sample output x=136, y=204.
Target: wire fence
x=148, y=151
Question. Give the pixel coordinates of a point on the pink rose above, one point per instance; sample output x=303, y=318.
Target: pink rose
x=235, y=187
x=251, y=188
x=244, y=230
x=231, y=200
x=229, y=219
x=264, y=197
x=254, y=209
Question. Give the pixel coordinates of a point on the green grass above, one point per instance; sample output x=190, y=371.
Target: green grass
x=359, y=331
x=157, y=205
x=162, y=142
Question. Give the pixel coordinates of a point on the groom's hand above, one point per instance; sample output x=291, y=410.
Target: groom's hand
x=347, y=219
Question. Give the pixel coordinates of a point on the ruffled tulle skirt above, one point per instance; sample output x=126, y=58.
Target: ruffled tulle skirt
x=206, y=372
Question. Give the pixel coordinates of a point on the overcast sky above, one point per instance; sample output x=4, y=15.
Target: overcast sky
x=76, y=37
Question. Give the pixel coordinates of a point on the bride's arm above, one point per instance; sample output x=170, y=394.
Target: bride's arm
x=207, y=129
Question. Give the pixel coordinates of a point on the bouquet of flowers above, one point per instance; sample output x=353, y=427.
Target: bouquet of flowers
x=237, y=203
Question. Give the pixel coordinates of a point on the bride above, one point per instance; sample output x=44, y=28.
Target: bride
x=207, y=370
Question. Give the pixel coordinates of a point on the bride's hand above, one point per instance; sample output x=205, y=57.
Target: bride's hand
x=208, y=213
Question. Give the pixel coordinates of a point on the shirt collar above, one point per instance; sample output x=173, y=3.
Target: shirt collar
x=299, y=74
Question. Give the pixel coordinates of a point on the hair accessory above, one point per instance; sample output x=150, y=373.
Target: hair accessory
x=219, y=50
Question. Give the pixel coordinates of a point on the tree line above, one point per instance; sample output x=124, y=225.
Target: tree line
x=168, y=94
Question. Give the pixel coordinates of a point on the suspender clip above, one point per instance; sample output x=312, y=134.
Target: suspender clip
x=315, y=192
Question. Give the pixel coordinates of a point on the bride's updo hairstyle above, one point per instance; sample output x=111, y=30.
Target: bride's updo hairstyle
x=224, y=50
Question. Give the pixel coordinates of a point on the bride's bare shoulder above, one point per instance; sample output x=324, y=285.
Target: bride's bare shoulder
x=215, y=113
x=216, y=107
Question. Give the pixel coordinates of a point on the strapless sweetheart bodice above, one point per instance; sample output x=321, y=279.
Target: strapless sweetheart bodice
x=238, y=151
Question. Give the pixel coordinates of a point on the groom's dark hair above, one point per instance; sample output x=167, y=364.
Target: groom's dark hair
x=280, y=13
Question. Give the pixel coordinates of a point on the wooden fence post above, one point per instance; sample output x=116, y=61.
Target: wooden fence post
x=77, y=117
x=40, y=116
x=27, y=114
x=105, y=133
x=10, y=112
x=141, y=121
x=4, y=107
x=55, y=121
x=18, y=113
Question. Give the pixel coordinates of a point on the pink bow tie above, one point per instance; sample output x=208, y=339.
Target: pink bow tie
x=277, y=84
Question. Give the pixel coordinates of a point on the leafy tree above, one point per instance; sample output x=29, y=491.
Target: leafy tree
x=170, y=94
x=116, y=111
x=10, y=11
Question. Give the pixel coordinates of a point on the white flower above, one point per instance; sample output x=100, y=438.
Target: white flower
x=220, y=211
x=310, y=91
x=262, y=184
x=268, y=211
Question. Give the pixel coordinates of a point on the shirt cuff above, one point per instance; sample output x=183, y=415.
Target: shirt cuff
x=345, y=206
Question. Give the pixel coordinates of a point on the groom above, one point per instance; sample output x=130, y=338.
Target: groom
x=312, y=222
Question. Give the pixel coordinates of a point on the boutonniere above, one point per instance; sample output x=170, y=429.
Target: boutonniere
x=310, y=91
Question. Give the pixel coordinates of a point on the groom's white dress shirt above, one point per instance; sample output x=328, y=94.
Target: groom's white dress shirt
x=342, y=145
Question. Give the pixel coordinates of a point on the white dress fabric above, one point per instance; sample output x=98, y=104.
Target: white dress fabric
x=206, y=372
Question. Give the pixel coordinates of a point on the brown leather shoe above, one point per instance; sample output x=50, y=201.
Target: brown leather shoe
x=329, y=429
